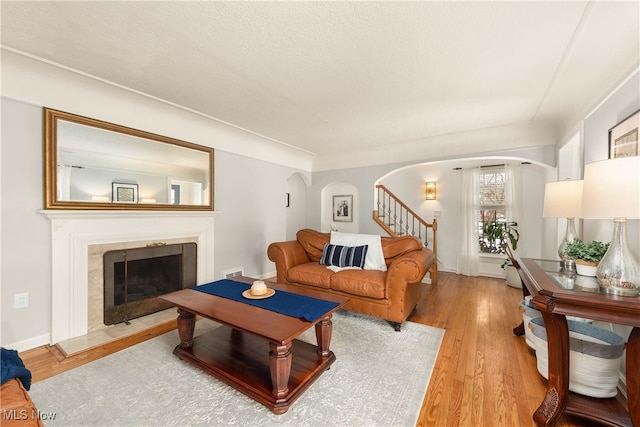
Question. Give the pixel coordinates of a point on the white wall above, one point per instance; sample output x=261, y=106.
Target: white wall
x=326, y=207
x=361, y=180
x=408, y=185
x=407, y=182
x=250, y=182
x=539, y=236
x=622, y=102
x=296, y=198
x=250, y=199
x=618, y=106
x=38, y=83
x=25, y=263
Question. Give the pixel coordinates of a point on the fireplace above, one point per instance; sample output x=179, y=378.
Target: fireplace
x=135, y=277
x=79, y=240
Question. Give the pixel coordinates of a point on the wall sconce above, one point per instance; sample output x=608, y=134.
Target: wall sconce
x=431, y=190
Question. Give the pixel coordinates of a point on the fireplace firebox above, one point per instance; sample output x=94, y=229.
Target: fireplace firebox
x=134, y=278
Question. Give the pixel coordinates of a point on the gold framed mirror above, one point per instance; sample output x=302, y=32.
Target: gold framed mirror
x=96, y=165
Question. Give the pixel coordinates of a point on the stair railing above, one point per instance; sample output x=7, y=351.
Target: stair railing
x=398, y=219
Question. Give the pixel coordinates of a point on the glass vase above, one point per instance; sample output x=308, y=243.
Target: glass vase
x=567, y=264
x=618, y=271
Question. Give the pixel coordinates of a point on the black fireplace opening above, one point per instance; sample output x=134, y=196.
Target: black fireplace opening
x=134, y=278
x=145, y=278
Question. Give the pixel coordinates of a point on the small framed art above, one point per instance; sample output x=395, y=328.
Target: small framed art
x=343, y=208
x=125, y=193
x=623, y=137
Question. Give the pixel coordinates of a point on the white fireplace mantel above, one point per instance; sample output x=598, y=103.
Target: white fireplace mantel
x=72, y=232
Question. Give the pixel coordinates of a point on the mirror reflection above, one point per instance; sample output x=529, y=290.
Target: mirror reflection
x=97, y=165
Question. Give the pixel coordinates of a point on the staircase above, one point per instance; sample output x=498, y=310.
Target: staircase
x=397, y=219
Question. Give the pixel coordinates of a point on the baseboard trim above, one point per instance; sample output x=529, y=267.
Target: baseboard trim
x=267, y=275
x=30, y=343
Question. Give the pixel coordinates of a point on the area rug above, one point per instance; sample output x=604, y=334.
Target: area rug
x=379, y=379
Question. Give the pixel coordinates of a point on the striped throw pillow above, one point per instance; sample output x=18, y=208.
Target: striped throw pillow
x=344, y=256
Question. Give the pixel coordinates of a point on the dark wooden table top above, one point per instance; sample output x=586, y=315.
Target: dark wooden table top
x=272, y=326
x=596, y=305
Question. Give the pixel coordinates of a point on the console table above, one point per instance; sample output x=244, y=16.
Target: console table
x=557, y=294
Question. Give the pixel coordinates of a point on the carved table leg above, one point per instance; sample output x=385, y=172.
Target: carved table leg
x=280, y=367
x=186, y=326
x=323, y=335
x=519, y=330
x=557, y=395
x=633, y=376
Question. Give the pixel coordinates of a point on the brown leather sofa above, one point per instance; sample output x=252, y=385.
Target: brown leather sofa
x=18, y=410
x=391, y=295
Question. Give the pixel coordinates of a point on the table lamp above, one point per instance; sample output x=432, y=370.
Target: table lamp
x=563, y=199
x=612, y=190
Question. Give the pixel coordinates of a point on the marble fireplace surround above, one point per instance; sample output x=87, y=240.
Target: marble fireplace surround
x=77, y=234
x=96, y=308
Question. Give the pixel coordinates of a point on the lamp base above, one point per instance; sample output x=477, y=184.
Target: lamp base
x=568, y=266
x=569, y=236
x=618, y=272
x=622, y=292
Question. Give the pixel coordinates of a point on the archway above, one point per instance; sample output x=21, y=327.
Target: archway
x=296, y=204
x=344, y=221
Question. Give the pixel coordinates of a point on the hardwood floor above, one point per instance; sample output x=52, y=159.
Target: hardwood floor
x=484, y=375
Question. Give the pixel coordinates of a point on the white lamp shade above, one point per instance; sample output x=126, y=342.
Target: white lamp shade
x=563, y=199
x=612, y=189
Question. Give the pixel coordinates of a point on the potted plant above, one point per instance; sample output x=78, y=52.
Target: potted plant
x=506, y=236
x=587, y=255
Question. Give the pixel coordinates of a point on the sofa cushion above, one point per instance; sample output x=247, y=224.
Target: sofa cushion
x=393, y=247
x=312, y=242
x=343, y=256
x=367, y=283
x=375, y=258
x=310, y=273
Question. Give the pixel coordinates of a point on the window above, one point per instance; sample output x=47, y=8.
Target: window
x=493, y=207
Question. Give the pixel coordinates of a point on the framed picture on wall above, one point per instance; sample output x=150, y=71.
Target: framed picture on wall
x=623, y=137
x=343, y=208
x=125, y=193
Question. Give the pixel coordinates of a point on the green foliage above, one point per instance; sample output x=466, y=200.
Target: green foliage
x=587, y=251
x=503, y=232
x=506, y=234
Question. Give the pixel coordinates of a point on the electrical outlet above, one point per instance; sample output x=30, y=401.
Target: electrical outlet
x=21, y=300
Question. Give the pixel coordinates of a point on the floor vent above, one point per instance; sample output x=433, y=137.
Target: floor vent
x=233, y=272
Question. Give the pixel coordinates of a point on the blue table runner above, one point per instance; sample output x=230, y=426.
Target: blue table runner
x=294, y=305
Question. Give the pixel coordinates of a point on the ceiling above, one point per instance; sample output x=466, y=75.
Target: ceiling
x=331, y=76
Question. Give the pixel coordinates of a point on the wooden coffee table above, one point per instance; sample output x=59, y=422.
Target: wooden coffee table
x=255, y=350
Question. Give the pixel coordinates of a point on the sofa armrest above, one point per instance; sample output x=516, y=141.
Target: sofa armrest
x=406, y=269
x=413, y=266
x=286, y=255
x=403, y=278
